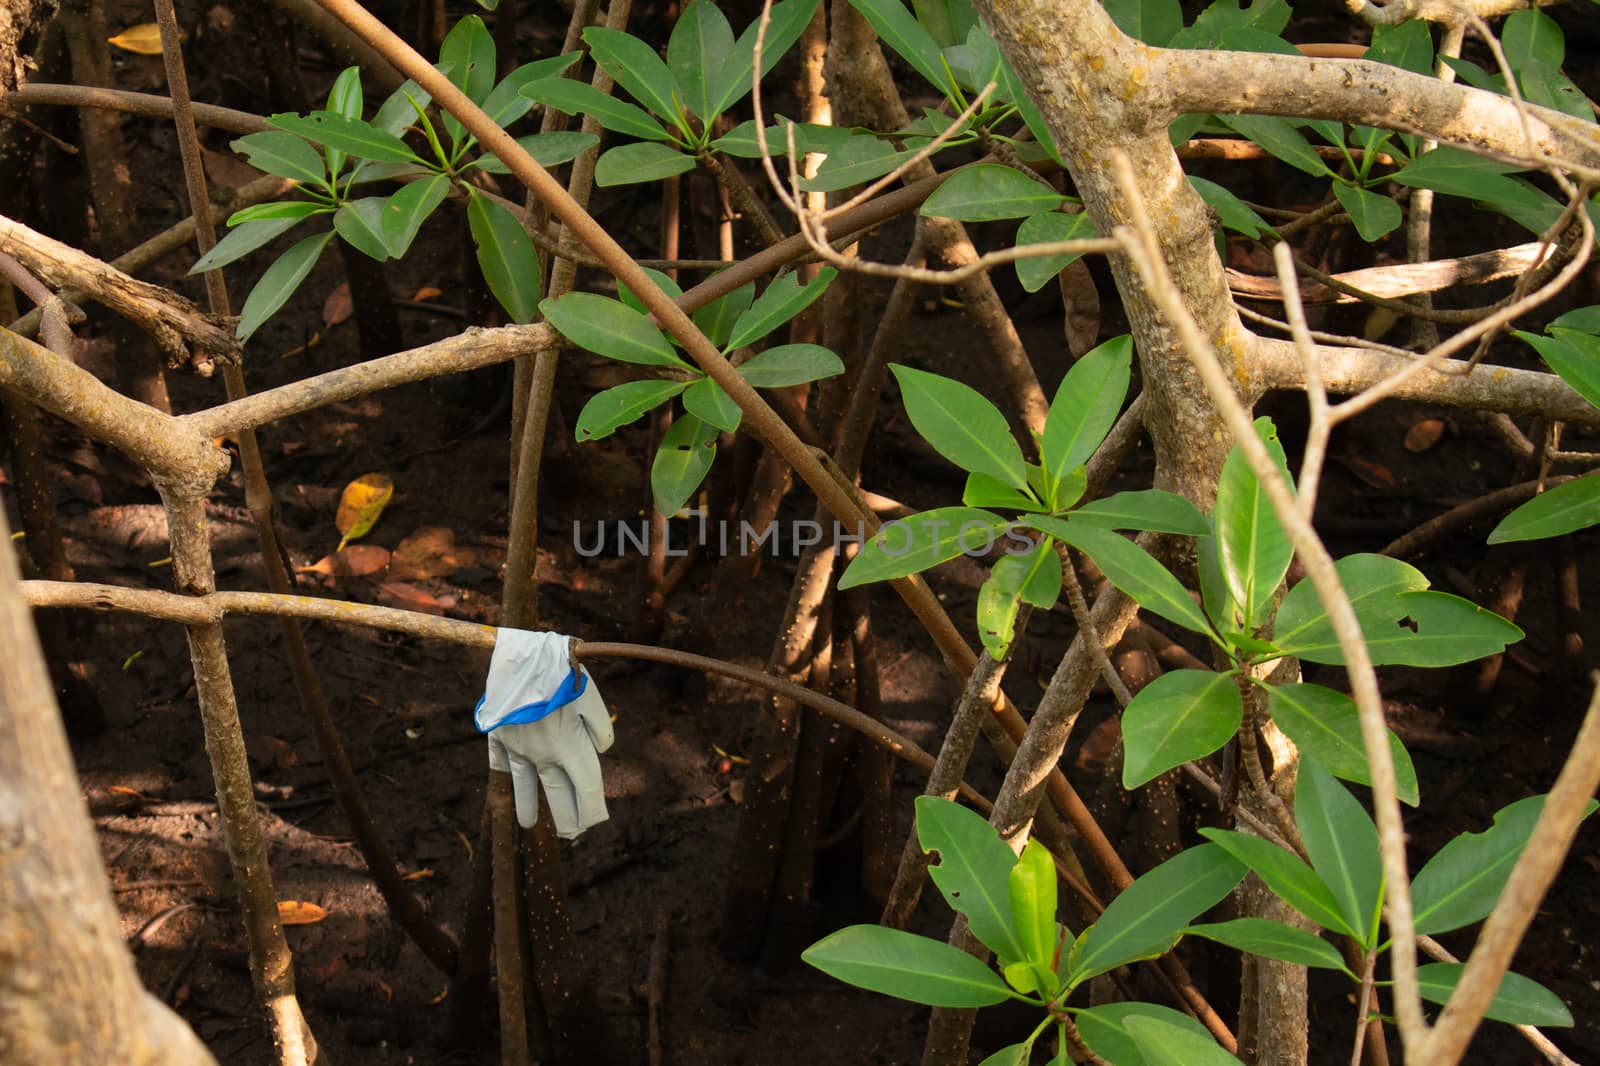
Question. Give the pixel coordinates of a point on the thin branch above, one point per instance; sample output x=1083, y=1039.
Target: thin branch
x=1141, y=248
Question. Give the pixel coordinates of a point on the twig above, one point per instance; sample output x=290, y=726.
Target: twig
x=656, y=988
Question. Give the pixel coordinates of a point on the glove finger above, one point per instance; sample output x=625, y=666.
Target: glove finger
x=498, y=759
x=563, y=800
x=589, y=789
x=595, y=716
x=525, y=788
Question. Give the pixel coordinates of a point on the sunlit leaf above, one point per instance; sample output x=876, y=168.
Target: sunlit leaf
x=360, y=506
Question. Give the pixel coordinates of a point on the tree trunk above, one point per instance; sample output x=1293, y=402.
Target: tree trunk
x=69, y=988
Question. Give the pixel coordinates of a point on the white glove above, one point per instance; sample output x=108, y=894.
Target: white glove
x=547, y=724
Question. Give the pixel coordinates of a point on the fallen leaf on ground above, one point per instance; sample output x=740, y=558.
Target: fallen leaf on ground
x=430, y=552
x=1424, y=435
x=362, y=501
x=338, y=306
x=144, y=39
x=1376, y=475
x=409, y=597
x=298, y=912
x=428, y=292
x=357, y=560
x=227, y=169
x=418, y=875
x=269, y=750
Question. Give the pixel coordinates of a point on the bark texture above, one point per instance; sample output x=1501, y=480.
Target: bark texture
x=68, y=988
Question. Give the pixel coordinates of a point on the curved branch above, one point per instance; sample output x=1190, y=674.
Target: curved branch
x=175, y=455
x=1368, y=94
x=149, y=105
x=211, y=609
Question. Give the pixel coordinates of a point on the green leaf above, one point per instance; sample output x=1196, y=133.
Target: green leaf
x=716, y=318
x=681, y=463
x=344, y=98
x=548, y=150
x=782, y=300
x=1273, y=940
x=406, y=211
x=1251, y=545
x=663, y=281
x=1343, y=846
x=948, y=22
x=1374, y=216
x=396, y=112
x=241, y=241
x=1231, y=211
x=1433, y=629
x=1372, y=583
x=348, y=135
x=609, y=328
x=1155, y=22
x=633, y=164
x=1086, y=407
x=1531, y=36
x=468, y=49
x=906, y=966
x=581, y=98
x=1035, y=272
x=1573, y=354
x=701, y=42
x=861, y=159
x=1457, y=173
x=1463, y=881
x=622, y=405
x=1012, y=1055
x=285, y=155
x=741, y=141
x=1325, y=725
x=291, y=209
x=637, y=68
x=1568, y=507
x=1290, y=879
x=961, y=425
x=1148, y=915
x=1280, y=139
x=706, y=401
x=973, y=871
x=988, y=192
x=279, y=281
x=914, y=544
x=899, y=29
x=1162, y=1042
x=1130, y=568
x=360, y=223
x=1518, y=1001
x=1583, y=319
x=1107, y=1030
x=506, y=256
x=984, y=491
x=791, y=364
x=1182, y=715
x=1408, y=46
x=1032, y=884
x=1033, y=577
x=1144, y=509
x=506, y=103
x=1269, y=16
x=788, y=22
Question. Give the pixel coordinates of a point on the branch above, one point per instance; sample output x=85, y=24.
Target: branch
x=1275, y=364
x=1402, y=279
x=148, y=105
x=174, y=454
x=212, y=608
x=180, y=329
x=1368, y=94
x=1540, y=861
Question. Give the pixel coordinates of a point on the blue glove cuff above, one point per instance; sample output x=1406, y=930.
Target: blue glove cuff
x=571, y=688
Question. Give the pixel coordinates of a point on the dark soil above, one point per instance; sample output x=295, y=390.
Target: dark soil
x=404, y=705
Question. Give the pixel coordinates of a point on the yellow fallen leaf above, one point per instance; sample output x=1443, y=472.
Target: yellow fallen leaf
x=298, y=912
x=362, y=501
x=418, y=875
x=436, y=1000
x=145, y=39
